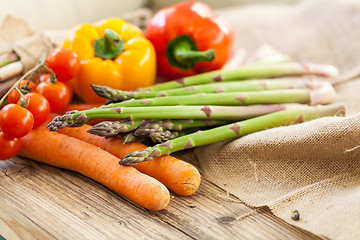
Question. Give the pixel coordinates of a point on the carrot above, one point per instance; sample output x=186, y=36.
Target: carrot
x=179, y=176
x=73, y=154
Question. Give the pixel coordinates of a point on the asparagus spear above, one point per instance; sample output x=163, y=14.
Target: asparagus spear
x=181, y=124
x=163, y=136
x=157, y=135
x=149, y=128
x=154, y=137
x=231, y=131
x=130, y=137
x=324, y=95
x=115, y=95
x=79, y=118
x=166, y=135
x=253, y=71
x=113, y=128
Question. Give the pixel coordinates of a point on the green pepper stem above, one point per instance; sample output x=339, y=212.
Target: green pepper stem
x=187, y=56
x=182, y=52
x=109, y=46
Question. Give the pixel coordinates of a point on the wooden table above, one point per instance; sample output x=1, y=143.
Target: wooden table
x=38, y=201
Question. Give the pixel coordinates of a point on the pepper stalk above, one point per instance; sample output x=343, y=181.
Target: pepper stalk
x=182, y=52
x=109, y=46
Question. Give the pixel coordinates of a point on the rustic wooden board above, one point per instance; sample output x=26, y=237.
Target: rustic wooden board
x=38, y=201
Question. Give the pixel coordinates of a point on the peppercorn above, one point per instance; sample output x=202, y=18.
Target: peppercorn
x=295, y=215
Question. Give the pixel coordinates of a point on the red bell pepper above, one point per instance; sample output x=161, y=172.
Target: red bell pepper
x=189, y=38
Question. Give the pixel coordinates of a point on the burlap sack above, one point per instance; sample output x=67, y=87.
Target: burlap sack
x=29, y=45
x=312, y=167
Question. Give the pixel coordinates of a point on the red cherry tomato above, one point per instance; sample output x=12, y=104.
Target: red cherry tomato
x=58, y=94
x=64, y=62
x=9, y=146
x=39, y=106
x=15, y=121
x=43, y=77
x=46, y=77
x=26, y=86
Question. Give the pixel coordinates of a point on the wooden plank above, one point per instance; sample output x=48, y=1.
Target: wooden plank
x=212, y=214
x=14, y=225
x=66, y=205
x=70, y=206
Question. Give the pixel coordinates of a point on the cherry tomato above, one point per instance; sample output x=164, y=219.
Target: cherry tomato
x=64, y=62
x=26, y=86
x=58, y=94
x=46, y=77
x=39, y=106
x=43, y=77
x=15, y=121
x=9, y=146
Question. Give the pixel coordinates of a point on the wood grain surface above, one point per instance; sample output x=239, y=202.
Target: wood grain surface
x=38, y=201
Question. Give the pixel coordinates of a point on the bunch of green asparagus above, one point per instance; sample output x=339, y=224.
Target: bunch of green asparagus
x=210, y=107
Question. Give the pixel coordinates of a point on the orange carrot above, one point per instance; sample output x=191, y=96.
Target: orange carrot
x=179, y=176
x=62, y=151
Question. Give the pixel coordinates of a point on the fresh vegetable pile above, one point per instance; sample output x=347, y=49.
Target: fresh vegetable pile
x=29, y=105
x=209, y=107
x=136, y=124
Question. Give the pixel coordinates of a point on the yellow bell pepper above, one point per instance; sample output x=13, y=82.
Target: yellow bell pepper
x=112, y=53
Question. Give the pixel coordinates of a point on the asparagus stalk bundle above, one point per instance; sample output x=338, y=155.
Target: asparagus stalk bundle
x=209, y=107
x=248, y=72
x=231, y=131
x=115, y=95
x=136, y=129
x=323, y=95
x=179, y=125
x=79, y=118
x=151, y=128
x=225, y=75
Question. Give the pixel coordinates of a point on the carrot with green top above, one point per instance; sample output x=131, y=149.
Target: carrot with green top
x=179, y=176
x=73, y=154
